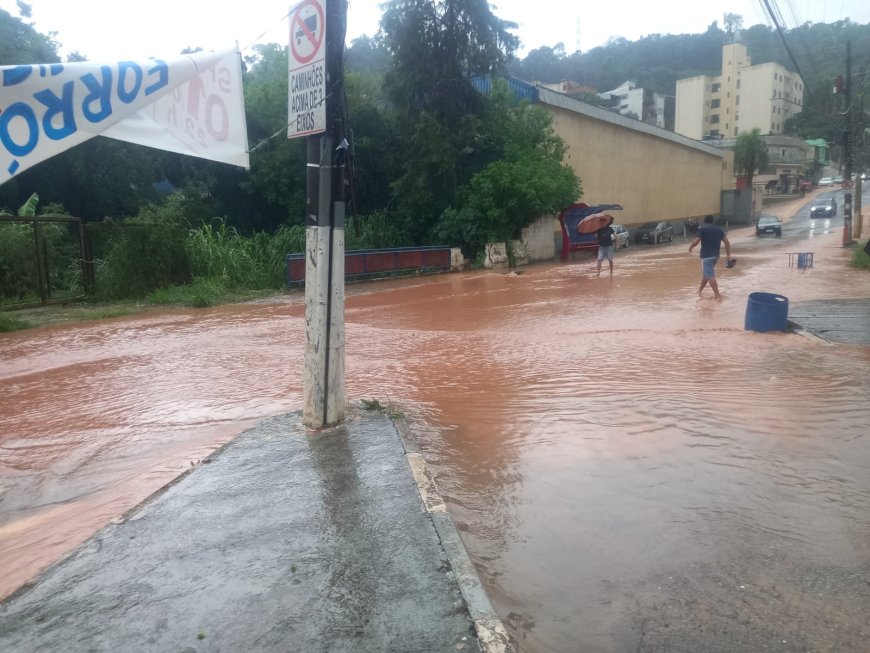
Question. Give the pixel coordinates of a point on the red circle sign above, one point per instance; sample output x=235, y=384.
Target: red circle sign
x=847, y=183
x=307, y=28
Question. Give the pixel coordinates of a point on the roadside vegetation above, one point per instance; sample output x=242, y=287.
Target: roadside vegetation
x=860, y=258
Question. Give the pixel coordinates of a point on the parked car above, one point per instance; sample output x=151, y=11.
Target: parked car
x=621, y=237
x=826, y=181
x=654, y=233
x=768, y=224
x=825, y=206
x=836, y=181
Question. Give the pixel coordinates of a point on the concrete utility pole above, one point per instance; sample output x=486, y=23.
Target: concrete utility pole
x=323, y=375
x=847, y=150
x=862, y=162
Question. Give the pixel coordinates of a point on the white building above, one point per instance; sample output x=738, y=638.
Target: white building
x=652, y=108
x=742, y=98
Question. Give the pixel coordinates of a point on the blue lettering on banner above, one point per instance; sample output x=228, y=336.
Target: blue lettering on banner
x=17, y=74
x=58, y=105
x=93, y=93
x=163, y=78
x=23, y=111
x=99, y=93
x=127, y=96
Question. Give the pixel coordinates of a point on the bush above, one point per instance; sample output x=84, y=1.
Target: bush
x=145, y=253
x=18, y=277
x=860, y=259
x=200, y=293
x=10, y=323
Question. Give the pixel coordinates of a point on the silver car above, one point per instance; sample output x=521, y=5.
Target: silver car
x=621, y=235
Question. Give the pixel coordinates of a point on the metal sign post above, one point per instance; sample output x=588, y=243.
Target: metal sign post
x=315, y=85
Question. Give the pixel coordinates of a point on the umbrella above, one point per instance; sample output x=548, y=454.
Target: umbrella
x=592, y=223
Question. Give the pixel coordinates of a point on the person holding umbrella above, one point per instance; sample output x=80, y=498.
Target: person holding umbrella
x=600, y=225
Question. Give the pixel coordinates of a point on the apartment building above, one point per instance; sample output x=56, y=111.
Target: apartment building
x=742, y=98
x=631, y=100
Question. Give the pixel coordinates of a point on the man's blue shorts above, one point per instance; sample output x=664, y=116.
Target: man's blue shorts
x=605, y=252
x=708, y=265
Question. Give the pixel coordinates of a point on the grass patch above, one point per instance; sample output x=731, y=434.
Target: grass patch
x=376, y=406
x=860, y=259
x=200, y=293
x=11, y=323
x=103, y=312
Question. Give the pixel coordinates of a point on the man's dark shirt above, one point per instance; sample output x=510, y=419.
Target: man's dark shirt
x=605, y=236
x=711, y=240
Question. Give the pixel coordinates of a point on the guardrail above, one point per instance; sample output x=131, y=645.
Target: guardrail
x=364, y=263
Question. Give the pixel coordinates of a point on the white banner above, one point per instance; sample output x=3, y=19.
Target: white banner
x=193, y=105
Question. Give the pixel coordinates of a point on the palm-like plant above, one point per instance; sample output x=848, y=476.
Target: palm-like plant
x=750, y=153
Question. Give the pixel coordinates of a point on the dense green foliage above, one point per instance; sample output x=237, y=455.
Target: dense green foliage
x=750, y=153
x=18, y=268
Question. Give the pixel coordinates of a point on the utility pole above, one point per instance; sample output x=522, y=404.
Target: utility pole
x=847, y=150
x=316, y=94
x=862, y=159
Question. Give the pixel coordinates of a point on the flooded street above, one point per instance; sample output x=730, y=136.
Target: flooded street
x=628, y=467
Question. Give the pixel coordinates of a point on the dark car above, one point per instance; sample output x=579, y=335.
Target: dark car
x=823, y=206
x=654, y=233
x=768, y=224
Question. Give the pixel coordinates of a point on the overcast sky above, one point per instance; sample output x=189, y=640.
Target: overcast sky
x=109, y=30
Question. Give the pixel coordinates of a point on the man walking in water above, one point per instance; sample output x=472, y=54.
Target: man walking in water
x=605, y=237
x=711, y=237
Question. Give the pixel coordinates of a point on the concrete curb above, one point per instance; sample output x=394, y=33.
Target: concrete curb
x=799, y=330
x=490, y=630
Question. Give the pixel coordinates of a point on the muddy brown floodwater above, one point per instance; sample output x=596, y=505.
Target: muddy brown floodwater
x=629, y=468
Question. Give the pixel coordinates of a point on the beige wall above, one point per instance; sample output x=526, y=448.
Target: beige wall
x=537, y=239
x=654, y=174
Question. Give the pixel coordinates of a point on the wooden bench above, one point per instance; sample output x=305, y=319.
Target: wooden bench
x=570, y=218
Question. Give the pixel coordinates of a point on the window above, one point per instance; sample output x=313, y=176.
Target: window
x=738, y=82
x=735, y=131
x=772, y=127
x=727, y=109
x=717, y=88
x=737, y=99
x=714, y=104
x=714, y=119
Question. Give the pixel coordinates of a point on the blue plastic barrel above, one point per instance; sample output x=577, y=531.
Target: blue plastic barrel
x=766, y=312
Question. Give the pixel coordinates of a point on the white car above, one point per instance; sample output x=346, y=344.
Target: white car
x=826, y=181
x=621, y=235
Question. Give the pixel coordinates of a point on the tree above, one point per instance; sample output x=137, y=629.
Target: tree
x=750, y=153
x=21, y=44
x=274, y=190
x=733, y=23
x=437, y=47
x=524, y=179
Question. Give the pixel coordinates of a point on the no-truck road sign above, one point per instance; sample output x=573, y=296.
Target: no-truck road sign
x=306, y=113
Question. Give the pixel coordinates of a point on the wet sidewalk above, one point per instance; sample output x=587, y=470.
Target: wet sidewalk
x=282, y=540
x=834, y=320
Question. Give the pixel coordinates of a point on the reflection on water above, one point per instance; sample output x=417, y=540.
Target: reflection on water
x=627, y=466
